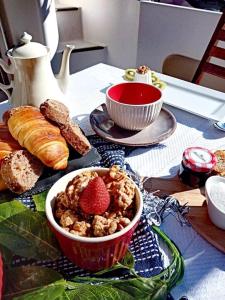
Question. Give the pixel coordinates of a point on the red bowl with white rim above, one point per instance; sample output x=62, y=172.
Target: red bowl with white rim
x=91, y=253
x=133, y=105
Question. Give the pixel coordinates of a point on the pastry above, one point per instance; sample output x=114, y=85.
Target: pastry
x=42, y=139
x=6, y=116
x=219, y=168
x=7, y=145
x=3, y=186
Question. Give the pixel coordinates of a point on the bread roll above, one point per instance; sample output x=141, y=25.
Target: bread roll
x=20, y=171
x=33, y=132
x=59, y=113
x=55, y=111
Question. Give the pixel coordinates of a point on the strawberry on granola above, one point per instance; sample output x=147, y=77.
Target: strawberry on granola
x=93, y=205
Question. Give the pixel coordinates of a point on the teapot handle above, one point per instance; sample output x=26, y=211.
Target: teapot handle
x=5, y=88
x=9, y=70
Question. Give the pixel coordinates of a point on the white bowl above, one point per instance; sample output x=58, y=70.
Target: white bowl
x=216, y=213
x=133, y=105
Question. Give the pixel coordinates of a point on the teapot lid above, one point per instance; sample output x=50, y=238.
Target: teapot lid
x=28, y=49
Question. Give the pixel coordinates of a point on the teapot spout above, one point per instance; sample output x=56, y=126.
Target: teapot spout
x=64, y=73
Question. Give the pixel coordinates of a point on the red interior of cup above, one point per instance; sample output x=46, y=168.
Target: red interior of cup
x=135, y=93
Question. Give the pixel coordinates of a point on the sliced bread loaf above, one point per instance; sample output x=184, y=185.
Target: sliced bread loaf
x=55, y=111
x=74, y=136
x=20, y=171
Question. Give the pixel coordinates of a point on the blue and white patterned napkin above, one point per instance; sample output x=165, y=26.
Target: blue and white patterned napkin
x=144, y=244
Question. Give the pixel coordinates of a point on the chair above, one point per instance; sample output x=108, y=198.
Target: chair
x=180, y=66
x=206, y=72
x=184, y=67
x=213, y=56
x=209, y=62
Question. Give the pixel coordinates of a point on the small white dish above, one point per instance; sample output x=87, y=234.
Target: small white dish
x=215, y=210
x=145, y=78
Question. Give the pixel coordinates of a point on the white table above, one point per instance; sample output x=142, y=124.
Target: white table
x=205, y=266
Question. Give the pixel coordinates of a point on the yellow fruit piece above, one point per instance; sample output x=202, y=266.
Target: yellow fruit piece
x=129, y=74
x=159, y=84
x=154, y=79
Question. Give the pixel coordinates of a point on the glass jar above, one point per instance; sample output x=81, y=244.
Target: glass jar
x=196, y=166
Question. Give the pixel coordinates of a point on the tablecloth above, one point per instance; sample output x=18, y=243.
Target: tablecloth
x=205, y=266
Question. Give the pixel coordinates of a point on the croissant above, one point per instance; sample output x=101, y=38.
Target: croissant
x=3, y=186
x=7, y=145
x=33, y=132
x=7, y=142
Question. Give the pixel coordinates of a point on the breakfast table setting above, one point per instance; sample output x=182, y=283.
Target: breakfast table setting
x=152, y=145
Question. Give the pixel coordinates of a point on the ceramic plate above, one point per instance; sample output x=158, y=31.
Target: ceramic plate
x=158, y=131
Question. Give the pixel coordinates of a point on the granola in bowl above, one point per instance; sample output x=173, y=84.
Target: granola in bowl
x=78, y=212
x=93, y=213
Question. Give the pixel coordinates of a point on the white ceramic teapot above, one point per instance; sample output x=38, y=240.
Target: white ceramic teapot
x=33, y=80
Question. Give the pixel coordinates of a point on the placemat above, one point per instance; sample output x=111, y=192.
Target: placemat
x=144, y=245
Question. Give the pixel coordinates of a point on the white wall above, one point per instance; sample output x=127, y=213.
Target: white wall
x=49, y=23
x=167, y=29
x=37, y=17
x=22, y=16
x=114, y=23
x=160, y=30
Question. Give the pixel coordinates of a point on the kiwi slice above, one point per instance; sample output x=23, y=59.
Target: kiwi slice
x=129, y=74
x=154, y=79
x=159, y=84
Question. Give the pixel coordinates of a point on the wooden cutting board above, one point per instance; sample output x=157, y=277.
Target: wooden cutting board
x=195, y=198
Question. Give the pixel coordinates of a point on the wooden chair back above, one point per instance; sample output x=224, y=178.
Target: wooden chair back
x=214, y=51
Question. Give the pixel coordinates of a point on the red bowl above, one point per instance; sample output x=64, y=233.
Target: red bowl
x=91, y=253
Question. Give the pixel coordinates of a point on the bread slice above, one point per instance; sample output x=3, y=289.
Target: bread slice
x=55, y=111
x=20, y=171
x=59, y=113
x=74, y=136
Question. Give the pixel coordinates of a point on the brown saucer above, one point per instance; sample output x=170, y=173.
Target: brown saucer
x=158, y=131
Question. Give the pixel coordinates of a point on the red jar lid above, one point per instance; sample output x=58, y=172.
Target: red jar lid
x=199, y=159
